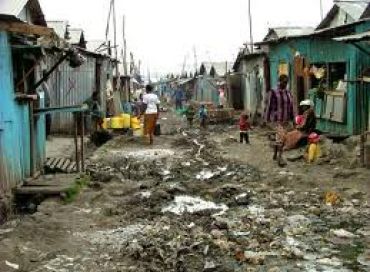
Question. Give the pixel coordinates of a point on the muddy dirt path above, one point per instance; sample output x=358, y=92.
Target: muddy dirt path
x=196, y=201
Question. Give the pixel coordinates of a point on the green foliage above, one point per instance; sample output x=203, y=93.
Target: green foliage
x=75, y=189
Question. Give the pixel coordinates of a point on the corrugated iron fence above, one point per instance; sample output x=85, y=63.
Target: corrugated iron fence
x=72, y=86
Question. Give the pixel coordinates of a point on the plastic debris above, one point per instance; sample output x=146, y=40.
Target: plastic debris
x=341, y=233
x=12, y=265
x=332, y=198
x=188, y=204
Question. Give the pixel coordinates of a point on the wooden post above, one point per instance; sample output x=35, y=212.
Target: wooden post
x=76, y=142
x=82, y=142
x=32, y=139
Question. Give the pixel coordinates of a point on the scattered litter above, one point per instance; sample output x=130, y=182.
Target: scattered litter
x=149, y=154
x=286, y=173
x=145, y=194
x=209, y=266
x=291, y=241
x=329, y=262
x=5, y=231
x=364, y=259
x=240, y=233
x=86, y=211
x=113, y=238
x=12, y=265
x=191, y=225
x=166, y=173
x=222, y=169
x=205, y=175
x=188, y=204
x=256, y=210
x=341, y=233
x=332, y=198
x=61, y=263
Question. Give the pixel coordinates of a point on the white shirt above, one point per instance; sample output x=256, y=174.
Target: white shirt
x=151, y=100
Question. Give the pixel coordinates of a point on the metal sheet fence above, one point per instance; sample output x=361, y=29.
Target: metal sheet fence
x=68, y=87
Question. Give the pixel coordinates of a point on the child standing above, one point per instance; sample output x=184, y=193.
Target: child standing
x=203, y=116
x=245, y=127
x=189, y=114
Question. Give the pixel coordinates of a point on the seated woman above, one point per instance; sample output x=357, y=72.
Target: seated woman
x=293, y=139
x=298, y=137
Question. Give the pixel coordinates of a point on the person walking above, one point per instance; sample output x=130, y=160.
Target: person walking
x=151, y=112
x=203, y=116
x=179, y=97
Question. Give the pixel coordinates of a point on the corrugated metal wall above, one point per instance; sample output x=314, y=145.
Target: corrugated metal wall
x=72, y=86
x=69, y=87
x=10, y=131
x=206, y=90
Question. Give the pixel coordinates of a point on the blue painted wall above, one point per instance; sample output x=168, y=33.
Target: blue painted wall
x=321, y=50
x=14, y=127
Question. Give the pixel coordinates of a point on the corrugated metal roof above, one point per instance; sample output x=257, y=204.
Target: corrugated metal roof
x=75, y=35
x=60, y=27
x=277, y=33
x=15, y=7
x=12, y=7
x=351, y=12
x=354, y=38
x=355, y=9
x=96, y=46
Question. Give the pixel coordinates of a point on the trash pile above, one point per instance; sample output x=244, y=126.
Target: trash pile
x=212, y=214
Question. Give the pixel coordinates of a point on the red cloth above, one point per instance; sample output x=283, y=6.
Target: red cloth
x=244, y=124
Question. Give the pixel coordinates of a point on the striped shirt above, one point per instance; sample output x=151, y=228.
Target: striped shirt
x=280, y=106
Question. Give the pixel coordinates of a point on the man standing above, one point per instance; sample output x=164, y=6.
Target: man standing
x=179, y=97
x=280, y=113
x=280, y=104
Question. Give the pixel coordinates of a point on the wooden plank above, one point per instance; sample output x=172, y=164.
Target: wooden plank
x=54, y=164
x=60, y=164
x=23, y=28
x=50, y=162
x=43, y=190
x=64, y=167
x=72, y=167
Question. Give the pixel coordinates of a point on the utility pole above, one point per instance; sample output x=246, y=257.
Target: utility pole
x=124, y=48
x=139, y=68
x=115, y=37
x=195, y=60
x=183, y=65
x=250, y=25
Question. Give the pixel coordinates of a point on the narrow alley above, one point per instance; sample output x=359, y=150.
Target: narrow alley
x=189, y=204
x=184, y=136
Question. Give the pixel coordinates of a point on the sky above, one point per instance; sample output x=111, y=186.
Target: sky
x=164, y=33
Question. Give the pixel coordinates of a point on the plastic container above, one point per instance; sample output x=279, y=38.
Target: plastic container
x=314, y=152
x=106, y=123
x=139, y=132
x=135, y=123
x=126, y=120
x=116, y=122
